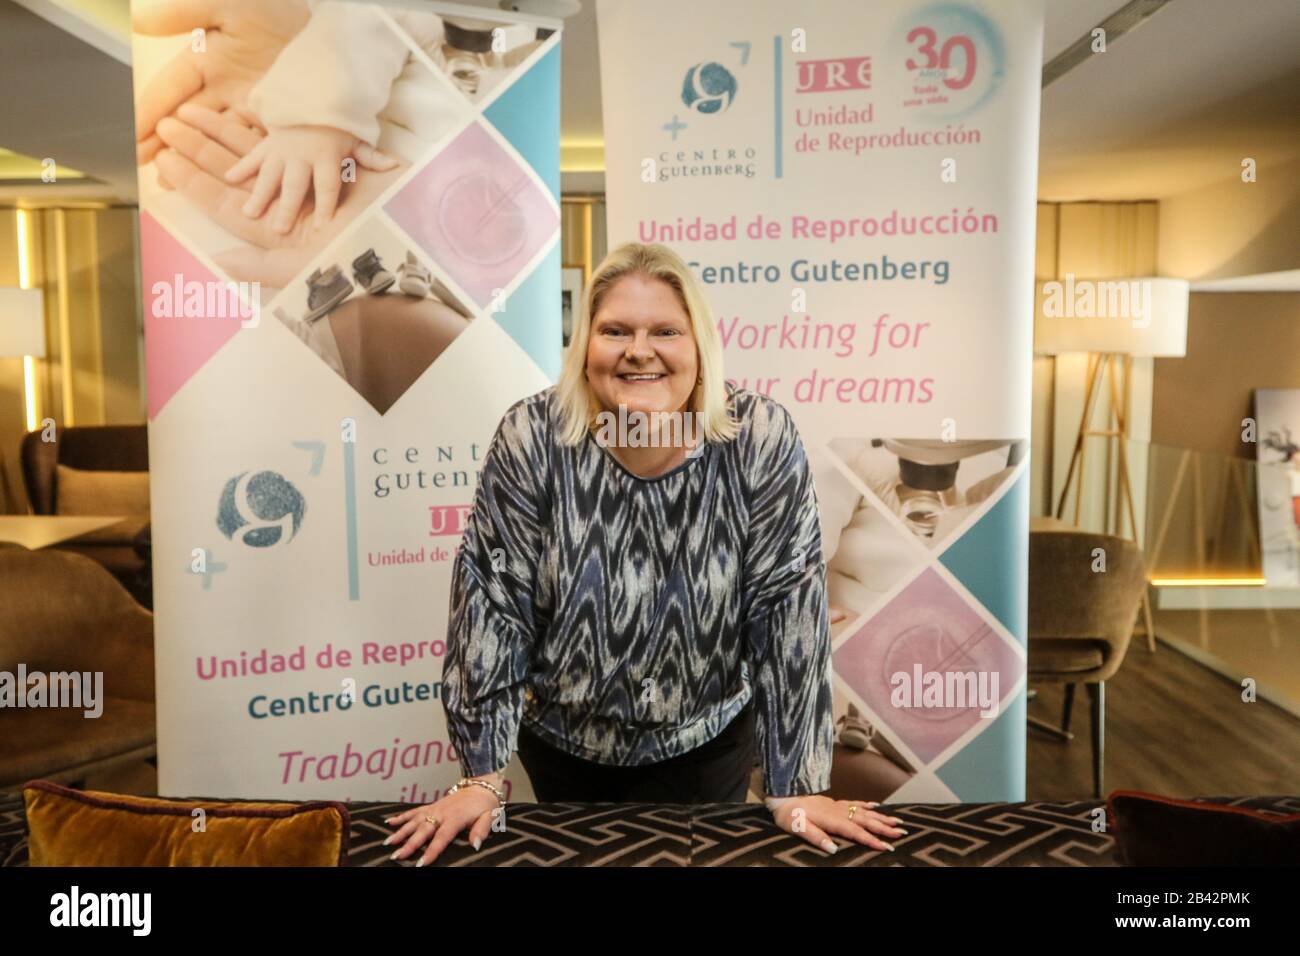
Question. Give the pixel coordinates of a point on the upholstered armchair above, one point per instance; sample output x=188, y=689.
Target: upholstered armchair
x=97, y=470
x=1081, y=620
x=63, y=612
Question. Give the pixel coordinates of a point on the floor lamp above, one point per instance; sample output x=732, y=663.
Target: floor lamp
x=22, y=335
x=1112, y=321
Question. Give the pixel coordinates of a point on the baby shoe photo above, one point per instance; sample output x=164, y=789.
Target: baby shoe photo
x=853, y=731
x=444, y=295
x=325, y=290
x=416, y=280
x=371, y=274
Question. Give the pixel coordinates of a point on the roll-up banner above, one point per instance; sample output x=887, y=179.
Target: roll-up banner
x=855, y=185
x=349, y=225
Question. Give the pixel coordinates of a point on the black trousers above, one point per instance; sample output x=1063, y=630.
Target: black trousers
x=715, y=772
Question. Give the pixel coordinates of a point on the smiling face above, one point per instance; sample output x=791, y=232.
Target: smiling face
x=641, y=351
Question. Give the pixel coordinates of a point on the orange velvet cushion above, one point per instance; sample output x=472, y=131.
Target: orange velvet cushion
x=89, y=828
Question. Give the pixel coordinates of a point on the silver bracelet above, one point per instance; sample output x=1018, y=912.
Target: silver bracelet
x=467, y=781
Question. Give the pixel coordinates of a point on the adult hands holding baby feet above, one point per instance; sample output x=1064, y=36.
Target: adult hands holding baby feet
x=240, y=41
x=295, y=160
x=202, y=146
x=280, y=189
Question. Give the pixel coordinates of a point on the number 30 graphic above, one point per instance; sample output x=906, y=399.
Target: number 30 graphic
x=943, y=57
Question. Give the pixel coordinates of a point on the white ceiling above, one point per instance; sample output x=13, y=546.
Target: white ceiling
x=1176, y=104
x=1171, y=106
x=66, y=100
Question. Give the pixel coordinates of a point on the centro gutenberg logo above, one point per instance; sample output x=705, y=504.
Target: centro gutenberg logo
x=262, y=508
x=708, y=88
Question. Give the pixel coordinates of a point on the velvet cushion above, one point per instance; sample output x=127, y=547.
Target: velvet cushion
x=83, y=492
x=89, y=828
x=1151, y=830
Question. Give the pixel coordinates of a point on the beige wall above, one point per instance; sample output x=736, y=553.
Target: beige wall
x=1203, y=479
x=1096, y=240
x=582, y=232
x=1236, y=342
x=84, y=259
x=1233, y=228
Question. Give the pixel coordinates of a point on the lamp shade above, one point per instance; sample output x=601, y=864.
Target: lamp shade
x=1145, y=317
x=22, y=322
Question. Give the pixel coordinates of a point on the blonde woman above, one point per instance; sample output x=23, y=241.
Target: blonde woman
x=639, y=603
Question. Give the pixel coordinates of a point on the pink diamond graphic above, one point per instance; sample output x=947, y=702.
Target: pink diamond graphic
x=477, y=212
x=176, y=346
x=928, y=636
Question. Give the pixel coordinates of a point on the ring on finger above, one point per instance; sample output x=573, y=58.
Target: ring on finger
x=430, y=818
x=853, y=808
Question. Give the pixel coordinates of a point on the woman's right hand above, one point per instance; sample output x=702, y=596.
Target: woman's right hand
x=469, y=806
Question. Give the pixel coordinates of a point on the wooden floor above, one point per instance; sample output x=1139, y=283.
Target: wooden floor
x=1172, y=727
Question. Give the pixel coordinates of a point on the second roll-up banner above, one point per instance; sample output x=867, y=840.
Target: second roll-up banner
x=325, y=371
x=855, y=184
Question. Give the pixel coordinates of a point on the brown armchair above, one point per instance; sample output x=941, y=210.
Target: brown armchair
x=90, y=448
x=62, y=612
x=1081, y=621
x=121, y=548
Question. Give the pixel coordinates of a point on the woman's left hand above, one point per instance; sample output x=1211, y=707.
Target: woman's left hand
x=817, y=818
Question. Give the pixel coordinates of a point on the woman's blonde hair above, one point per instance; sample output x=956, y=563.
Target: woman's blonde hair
x=573, y=395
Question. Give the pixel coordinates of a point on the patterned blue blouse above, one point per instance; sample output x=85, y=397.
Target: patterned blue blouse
x=627, y=620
